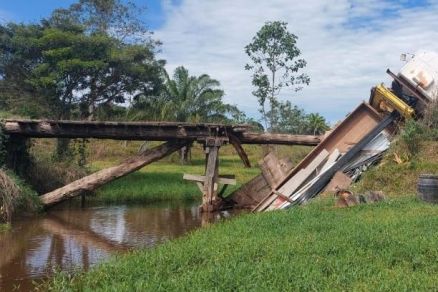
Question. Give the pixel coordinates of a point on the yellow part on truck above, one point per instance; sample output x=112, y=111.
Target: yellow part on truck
x=382, y=99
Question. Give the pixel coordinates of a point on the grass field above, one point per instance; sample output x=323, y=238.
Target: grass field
x=386, y=246
x=162, y=181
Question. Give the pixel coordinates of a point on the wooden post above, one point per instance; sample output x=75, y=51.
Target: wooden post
x=210, y=200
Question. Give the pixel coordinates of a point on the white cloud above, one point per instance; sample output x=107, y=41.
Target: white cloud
x=345, y=56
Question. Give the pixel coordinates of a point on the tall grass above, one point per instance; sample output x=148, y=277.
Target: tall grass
x=9, y=192
x=380, y=247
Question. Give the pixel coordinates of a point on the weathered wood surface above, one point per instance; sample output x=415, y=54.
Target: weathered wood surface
x=288, y=188
x=209, y=198
x=253, y=192
x=280, y=139
x=239, y=149
x=225, y=180
x=151, y=131
x=97, y=179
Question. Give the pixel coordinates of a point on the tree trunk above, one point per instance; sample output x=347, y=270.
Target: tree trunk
x=97, y=179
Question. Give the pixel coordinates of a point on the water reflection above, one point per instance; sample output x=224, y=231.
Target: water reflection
x=76, y=238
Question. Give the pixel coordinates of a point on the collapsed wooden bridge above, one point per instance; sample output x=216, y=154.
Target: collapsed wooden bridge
x=177, y=135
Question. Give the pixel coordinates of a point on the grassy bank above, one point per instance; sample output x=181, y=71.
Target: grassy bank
x=394, y=176
x=387, y=246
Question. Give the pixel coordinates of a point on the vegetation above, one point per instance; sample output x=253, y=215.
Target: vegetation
x=15, y=195
x=336, y=249
x=273, y=53
x=162, y=181
x=4, y=227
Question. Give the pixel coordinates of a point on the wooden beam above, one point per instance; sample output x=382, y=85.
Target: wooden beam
x=97, y=179
x=239, y=149
x=280, y=139
x=150, y=131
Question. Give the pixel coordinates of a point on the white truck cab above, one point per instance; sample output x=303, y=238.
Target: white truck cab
x=422, y=72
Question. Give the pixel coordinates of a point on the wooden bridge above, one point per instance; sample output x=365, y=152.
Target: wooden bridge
x=211, y=136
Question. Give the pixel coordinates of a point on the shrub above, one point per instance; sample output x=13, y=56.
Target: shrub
x=412, y=136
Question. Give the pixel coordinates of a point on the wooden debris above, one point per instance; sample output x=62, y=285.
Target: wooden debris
x=295, y=182
x=346, y=199
x=339, y=181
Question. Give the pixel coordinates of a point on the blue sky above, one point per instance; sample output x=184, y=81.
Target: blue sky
x=348, y=44
x=34, y=10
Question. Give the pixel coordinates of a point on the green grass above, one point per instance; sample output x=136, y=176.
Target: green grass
x=396, y=179
x=163, y=181
x=385, y=246
x=4, y=227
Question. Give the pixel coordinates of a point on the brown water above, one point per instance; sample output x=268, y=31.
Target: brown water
x=72, y=237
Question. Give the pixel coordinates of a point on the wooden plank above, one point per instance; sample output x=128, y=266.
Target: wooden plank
x=355, y=126
x=299, y=179
x=225, y=180
x=338, y=165
x=332, y=158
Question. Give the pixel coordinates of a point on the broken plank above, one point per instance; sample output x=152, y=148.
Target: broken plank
x=225, y=180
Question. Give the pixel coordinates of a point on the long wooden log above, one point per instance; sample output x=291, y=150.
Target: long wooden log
x=279, y=139
x=151, y=131
x=97, y=179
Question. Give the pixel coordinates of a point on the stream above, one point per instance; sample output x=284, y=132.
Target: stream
x=71, y=237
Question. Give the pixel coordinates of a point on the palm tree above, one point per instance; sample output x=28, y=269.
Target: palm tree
x=316, y=124
x=185, y=98
x=192, y=98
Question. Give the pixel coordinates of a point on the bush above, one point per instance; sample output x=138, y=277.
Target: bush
x=9, y=192
x=3, y=151
x=412, y=136
x=430, y=120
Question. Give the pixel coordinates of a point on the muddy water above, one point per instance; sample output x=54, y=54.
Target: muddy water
x=72, y=237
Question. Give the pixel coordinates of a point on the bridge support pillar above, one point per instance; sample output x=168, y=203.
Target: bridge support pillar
x=210, y=200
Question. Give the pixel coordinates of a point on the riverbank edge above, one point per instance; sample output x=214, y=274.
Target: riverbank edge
x=335, y=249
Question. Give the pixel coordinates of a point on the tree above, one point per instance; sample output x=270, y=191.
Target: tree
x=119, y=19
x=275, y=65
x=317, y=124
x=291, y=119
x=186, y=98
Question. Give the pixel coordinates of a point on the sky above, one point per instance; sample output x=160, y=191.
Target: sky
x=348, y=44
